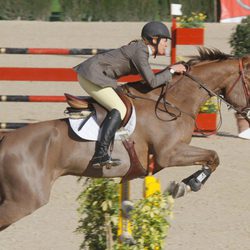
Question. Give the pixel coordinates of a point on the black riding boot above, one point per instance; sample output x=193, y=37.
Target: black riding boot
x=110, y=125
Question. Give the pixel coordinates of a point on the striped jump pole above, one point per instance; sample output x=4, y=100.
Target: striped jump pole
x=21, y=74
x=12, y=125
x=31, y=98
x=26, y=75
x=52, y=51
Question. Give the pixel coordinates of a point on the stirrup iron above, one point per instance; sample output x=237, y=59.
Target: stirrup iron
x=108, y=164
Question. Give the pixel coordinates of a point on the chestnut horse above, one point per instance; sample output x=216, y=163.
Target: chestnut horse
x=33, y=157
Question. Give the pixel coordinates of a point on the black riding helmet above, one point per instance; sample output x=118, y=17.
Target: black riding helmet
x=157, y=30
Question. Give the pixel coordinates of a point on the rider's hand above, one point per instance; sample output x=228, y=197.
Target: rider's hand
x=178, y=68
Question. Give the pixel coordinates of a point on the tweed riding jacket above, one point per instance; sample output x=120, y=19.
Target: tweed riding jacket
x=104, y=69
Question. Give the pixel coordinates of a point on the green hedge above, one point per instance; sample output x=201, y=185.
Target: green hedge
x=113, y=10
x=131, y=10
x=25, y=9
x=99, y=208
x=206, y=7
x=97, y=200
x=240, y=38
x=99, y=10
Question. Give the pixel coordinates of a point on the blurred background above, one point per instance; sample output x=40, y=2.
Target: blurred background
x=107, y=10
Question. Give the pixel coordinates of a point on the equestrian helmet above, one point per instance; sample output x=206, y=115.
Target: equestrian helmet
x=155, y=29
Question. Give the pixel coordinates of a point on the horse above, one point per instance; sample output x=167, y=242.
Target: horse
x=33, y=157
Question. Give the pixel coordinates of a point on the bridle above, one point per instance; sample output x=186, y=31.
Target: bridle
x=160, y=100
x=245, y=112
x=241, y=77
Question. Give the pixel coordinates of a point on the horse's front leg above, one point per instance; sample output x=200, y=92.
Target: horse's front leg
x=185, y=155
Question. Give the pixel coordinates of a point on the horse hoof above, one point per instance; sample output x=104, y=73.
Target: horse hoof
x=127, y=238
x=170, y=188
x=180, y=190
x=127, y=207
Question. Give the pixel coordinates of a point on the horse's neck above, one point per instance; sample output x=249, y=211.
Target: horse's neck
x=188, y=96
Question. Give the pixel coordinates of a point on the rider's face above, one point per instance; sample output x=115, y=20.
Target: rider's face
x=162, y=46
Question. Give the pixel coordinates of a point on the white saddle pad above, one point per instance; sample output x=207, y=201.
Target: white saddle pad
x=90, y=130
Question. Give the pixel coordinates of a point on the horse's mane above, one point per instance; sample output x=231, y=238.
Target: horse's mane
x=206, y=54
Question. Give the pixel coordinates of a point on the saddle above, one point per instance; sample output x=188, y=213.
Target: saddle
x=86, y=103
x=79, y=105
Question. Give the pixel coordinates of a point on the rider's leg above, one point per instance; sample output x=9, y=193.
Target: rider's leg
x=108, y=98
x=110, y=125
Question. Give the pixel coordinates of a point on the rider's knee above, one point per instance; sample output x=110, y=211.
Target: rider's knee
x=122, y=109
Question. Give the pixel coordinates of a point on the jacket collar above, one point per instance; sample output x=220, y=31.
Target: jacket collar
x=150, y=50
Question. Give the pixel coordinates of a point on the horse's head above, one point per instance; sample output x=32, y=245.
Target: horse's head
x=226, y=75
x=237, y=92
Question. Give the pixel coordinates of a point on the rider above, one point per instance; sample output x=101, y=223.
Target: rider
x=98, y=77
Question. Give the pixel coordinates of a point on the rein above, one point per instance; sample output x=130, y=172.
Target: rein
x=245, y=111
x=165, y=103
x=210, y=92
x=244, y=81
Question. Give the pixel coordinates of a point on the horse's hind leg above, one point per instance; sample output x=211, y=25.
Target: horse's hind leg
x=185, y=155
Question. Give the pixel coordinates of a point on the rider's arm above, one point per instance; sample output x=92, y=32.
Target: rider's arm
x=140, y=61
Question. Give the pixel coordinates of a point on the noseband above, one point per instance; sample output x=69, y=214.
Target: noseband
x=245, y=112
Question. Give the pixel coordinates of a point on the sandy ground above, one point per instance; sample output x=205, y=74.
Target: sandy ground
x=217, y=217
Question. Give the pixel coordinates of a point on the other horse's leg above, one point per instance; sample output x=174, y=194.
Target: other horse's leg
x=184, y=155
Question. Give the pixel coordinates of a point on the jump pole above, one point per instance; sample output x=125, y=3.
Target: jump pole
x=25, y=74
x=31, y=98
x=12, y=125
x=52, y=51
